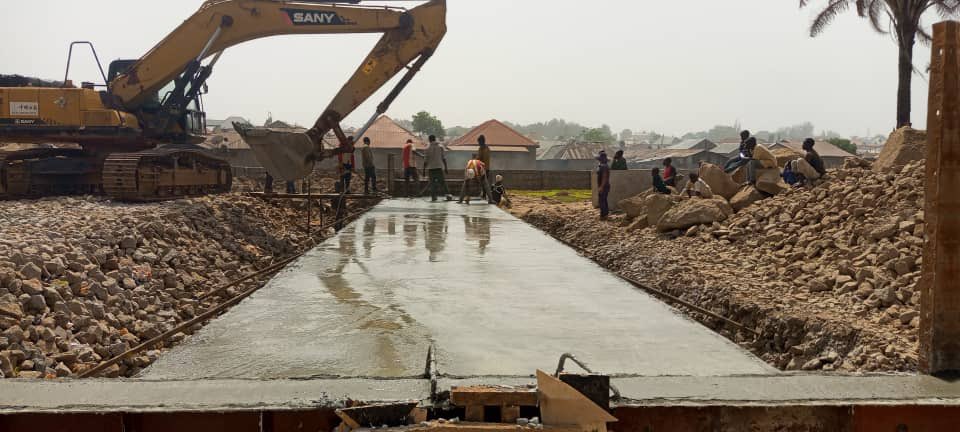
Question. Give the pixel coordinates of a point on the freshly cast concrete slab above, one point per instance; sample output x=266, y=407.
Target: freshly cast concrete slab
x=109, y=396
x=491, y=294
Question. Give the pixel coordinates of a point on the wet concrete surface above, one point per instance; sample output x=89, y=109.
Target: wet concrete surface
x=492, y=294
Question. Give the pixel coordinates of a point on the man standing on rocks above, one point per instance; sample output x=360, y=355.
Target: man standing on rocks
x=410, y=168
x=669, y=173
x=369, y=168
x=603, y=184
x=435, y=164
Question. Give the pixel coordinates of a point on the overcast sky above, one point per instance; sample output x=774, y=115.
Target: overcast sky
x=668, y=66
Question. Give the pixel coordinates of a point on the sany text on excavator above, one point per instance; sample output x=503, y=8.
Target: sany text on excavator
x=137, y=137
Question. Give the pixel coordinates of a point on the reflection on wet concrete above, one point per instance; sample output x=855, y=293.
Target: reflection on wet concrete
x=494, y=295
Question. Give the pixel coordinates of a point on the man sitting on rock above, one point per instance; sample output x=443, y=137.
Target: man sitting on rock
x=696, y=187
x=810, y=167
x=658, y=185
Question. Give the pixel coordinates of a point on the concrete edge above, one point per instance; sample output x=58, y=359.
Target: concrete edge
x=229, y=395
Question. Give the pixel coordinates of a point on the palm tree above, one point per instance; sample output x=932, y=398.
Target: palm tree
x=900, y=16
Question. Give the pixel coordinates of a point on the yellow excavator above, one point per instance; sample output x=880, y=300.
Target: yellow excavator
x=136, y=137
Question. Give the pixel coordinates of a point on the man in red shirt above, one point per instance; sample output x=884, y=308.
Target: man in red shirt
x=410, y=168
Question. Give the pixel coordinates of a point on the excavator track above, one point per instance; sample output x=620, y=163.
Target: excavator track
x=41, y=172
x=164, y=174
x=151, y=175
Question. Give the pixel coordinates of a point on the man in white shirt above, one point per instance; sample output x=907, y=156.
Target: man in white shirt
x=696, y=187
x=435, y=164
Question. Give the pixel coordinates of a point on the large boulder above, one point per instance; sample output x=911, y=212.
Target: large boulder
x=656, y=205
x=720, y=182
x=694, y=211
x=745, y=197
x=784, y=155
x=769, y=181
x=763, y=155
x=904, y=145
x=633, y=206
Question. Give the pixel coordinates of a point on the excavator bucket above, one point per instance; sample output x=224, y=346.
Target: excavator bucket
x=286, y=155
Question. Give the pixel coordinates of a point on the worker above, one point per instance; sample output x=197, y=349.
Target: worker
x=813, y=158
x=619, y=163
x=484, y=156
x=346, y=165
x=498, y=193
x=435, y=164
x=808, y=168
x=410, y=168
x=603, y=184
x=696, y=187
x=669, y=173
x=369, y=168
x=658, y=185
x=742, y=157
x=789, y=176
x=291, y=187
x=268, y=184
x=474, y=172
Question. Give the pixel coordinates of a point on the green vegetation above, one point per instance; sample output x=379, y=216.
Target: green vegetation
x=562, y=195
x=844, y=144
x=426, y=124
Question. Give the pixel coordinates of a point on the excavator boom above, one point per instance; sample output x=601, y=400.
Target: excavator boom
x=409, y=39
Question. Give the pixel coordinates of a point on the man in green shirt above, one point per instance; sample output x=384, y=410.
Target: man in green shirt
x=619, y=163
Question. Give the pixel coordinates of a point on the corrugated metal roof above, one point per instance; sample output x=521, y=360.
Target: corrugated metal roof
x=726, y=148
x=497, y=134
x=693, y=143
x=576, y=151
x=640, y=156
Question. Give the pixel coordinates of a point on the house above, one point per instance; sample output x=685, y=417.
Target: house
x=572, y=156
x=683, y=159
x=387, y=138
x=832, y=155
x=693, y=143
x=509, y=149
x=216, y=126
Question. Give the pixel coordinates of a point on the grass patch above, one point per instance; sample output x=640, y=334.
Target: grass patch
x=562, y=195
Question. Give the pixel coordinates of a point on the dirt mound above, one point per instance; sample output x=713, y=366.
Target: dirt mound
x=904, y=145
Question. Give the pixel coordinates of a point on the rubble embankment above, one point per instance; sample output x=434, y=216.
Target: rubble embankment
x=826, y=274
x=83, y=279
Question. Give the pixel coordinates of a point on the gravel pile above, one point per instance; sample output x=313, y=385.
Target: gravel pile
x=83, y=279
x=827, y=274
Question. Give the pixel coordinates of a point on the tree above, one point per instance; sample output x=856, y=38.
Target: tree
x=426, y=124
x=844, y=144
x=602, y=134
x=457, y=131
x=626, y=134
x=903, y=17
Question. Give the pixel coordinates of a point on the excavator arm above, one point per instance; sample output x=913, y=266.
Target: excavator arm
x=409, y=39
